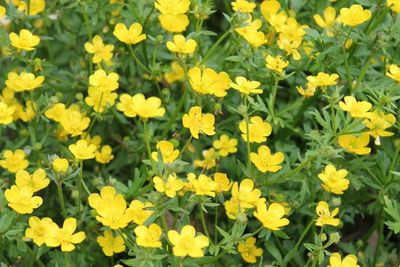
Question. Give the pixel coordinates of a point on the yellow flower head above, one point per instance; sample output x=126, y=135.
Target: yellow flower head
x=39, y=229
x=111, y=245
x=174, y=23
x=176, y=73
x=168, y=153
x=100, y=51
x=233, y=208
x=265, y=161
x=172, y=7
x=378, y=122
x=271, y=217
x=22, y=200
x=325, y=216
x=25, y=40
x=186, y=243
x=6, y=113
x=243, y=6
x=323, y=79
x=140, y=211
x=209, y=160
x=356, y=109
x=276, y=64
x=308, y=92
x=81, y=150
x=100, y=100
x=148, y=237
x=252, y=34
x=133, y=35
x=245, y=194
x=25, y=81
x=394, y=5
x=14, y=161
x=269, y=8
x=225, y=145
x=135, y=105
x=394, y=72
x=181, y=45
x=28, y=113
x=328, y=21
x=55, y=112
x=35, y=182
x=2, y=12
x=334, y=180
x=248, y=250
x=259, y=130
x=104, y=155
x=222, y=181
x=197, y=122
x=74, y=122
x=335, y=260
x=35, y=6
x=169, y=186
x=208, y=81
x=104, y=82
x=245, y=86
x=65, y=236
x=356, y=144
x=354, y=16
x=202, y=185
x=60, y=165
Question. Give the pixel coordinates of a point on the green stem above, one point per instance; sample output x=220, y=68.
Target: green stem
x=137, y=60
x=38, y=261
x=61, y=198
x=369, y=170
x=346, y=63
x=248, y=145
x=378, y=244
x=294, y=171
x=393, y=164
x=186, y=144
x=273, y=96
x=363, y=72
x=203, y=221
x=175, y=114
x=215, y=225
x=147, y=141
x=214, y=47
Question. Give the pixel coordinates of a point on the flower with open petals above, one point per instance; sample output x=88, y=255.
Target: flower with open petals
x=357, y=109
x=277, y=64
x=225, y=145
x=133, y=35
x=148, y=237
x=356, y=144
x=335, y=260
x=110, y=244
x=197, y=122
x=81, y=150
x=258, y=129
x=334, y=180
x=25, y=40
x=22, y=200
x=354, y=16
x=14, y=161
x=271, y=217
x=169, y=186
x=168, y=153
x=208, y=81
x=394, y=72
x=181, y=45
x=186, y=243
x=327, y=21
x=39, y=229
x=135, y=105
x=36, y=181
x=243, y=6
x=245, y=86
x=100, y=51
x=325, y=216
x=265, y=161
x=25, y=81
x=248, y=250
x=65, y=236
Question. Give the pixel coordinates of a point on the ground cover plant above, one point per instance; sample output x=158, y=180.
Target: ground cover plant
x=199, y=133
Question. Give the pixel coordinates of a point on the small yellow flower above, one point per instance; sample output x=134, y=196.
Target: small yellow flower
x=22, y=200
x=328, y=21
x=173, y=18
x=82, y=151
x=140, y=211
x=169, y=186
x=225, y=145
x=233, y=208
x=104, y=155
x=174, y=23
x=133, y=35
x=354, y=16
x=197, y=122
x=356, y=144
x=243, y=6
x=394, y=72
x=271, y=218
x=265, y=161
x=135, y=105
x=35, y=6
x=246, y=195
x=245, y=86
x=209, y=160
x=104, y=82
x=259, y=130
x=55, y=112
x=357, y=109
x=394, y=5
x=74, y=122
x=35, y=182
x=335, y=260
x=251, y=33
x=65, y=236
x=208, y=81
x=323, y=79
x=202, y=185
x=308, y=92
x=6, y=113
x=186, y=243
x=25, y=81
x=148, y=237
x=277, y=64
x=168, y=153
x=101, y=51
x=111, y=245
x=222, y=181
x=24, y=41
x=378, y=122
x=2, y=12
x=39, y=229
x=334, y=180
x=248, y=250
x=325, y=216
x=60, y=165
x=176, y=73
x=14, y=161
x=181, y=45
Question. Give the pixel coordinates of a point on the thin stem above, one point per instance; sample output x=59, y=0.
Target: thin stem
x=393, y=164
x=273, y=96
x=61, y=199
x=294, y=171
x=215, y=225
x=175, y=114
x=248, y=145
x=369, y=170
x=137, y=60
x=214, y=47
x=186, y=144
x=363, y=72
x=147, y=141
x=203, y=221
x=378, y=244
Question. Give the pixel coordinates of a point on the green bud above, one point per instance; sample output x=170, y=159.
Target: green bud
x=334, y=237
x=242, y=109
x=79, y=96
x=75, y=194
x=323, y=237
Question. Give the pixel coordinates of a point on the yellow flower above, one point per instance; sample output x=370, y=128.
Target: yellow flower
x=335, y=260
x=225, y=145
x=308, y=92
x=35, y=6
x=265, y=161
x=209, y=160
x=355, y=144
x=2, y=12
x=100, y=100
x=73, y=122
x=356, y=109
x=248, y=250
x=169, y=186
x=243, y=6
x=6, y=113
x=186, y=243
x=65, y=236
x=104, y=155
x=233, y=208
x=140, y=211
x=251, y=34
x=378, y=122
x=222, y=181
x=354, y=16
x=176, y=73
x=132, y=36
x=24, y=41
x=271, y=218
x=203, y=185
x=326, y=217
x=245, y=194
x=172, y=7
x=174, y=23
x=394, y=72
x=334, y=180
x=60, y=165
x=22, y=200
x=95, y=140
x=25, y=81
x=258, y=130
x=110, y=244
x=35, y=182
x=323, y=79
x=135, y=105
x=110, y=208
x=269, y=7
x=55, y=112
x=101, y=51
x=208, y=81
x=39, y=229
x=28, y=113
x=276, y=64
x=328, y=21
x=198, y=122
x=14, y=161
x=104, y=82
x=394, y=5
x=245, y=86
x=81, y=150
x=148, y=237
x=181, y=45
x=168, y=153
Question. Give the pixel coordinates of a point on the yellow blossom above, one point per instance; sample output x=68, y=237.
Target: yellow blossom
x=223, y=184
x=271, y=217
x=245, y=194
x=334, y=180
x=82, y=151
x=269, y=8
x=60, y=165
x=356, y=144
x=2, y=12
x=104, y=82
x=208, y=81
x=173, y=17
x=186, y=243
x=394, y=72
x=377, y=122
x=35, y=6
x=25, y=40
x=335, y=260
x=28, y=113
x=168, y=153
x=225, y=145
x=357, y=109
x=209, y=160
x=308, y=92
x=169, y=186
x=394, y=5
x=354, y=16
x=6, y=113
x=74, y=122
x=197, y=122
x=25, y=81
x=111, y=245
x=174, y=23
x=233, y=208
x=65, y=236
x=265, y=161
x=276, y=64
x=328, y=21
x=258, y=129
x=202, y=185
x=323, y=79
x=181, y=45
x=55, y=112
x=243, y=6
x=39, y=229
x=251, y=33
x=100, y=100
x=14, y=161
x=176, y=73
x=245, y=86
x=133, y=35
x=325, y=216
x=135, y=105
x=101, y=51
x=22, y=200
x=35, y=182
x=104, y=155
x=148, y=237
x=248, y=250
x=140, y=211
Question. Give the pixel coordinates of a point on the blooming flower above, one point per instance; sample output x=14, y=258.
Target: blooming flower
x=35, y=6
x=258, y=130
x=277, y=64
x=101, y=51
x=202, y=185
x=181, y=45
x=328, y=21
x=197, y=122
x=209, y=160
x=168, y=153
x=14, y=161
x=326, y=217
x=245, y=86
x=394, y=71
x=25, y=40
x=140, y=211
x=265, y=161
x=65, y=236
x=334, y=180
x=173, y=18
x=323, y=79
x=55, y=112
x=186, y=243
x=248, y=250
x=271, y=218
x=225, y=145
x=354, y=16
x=169, y=186
x=135, y=105
x=133, y=35
x=394, y=5
x=208, y=81
x=74, y=122
x=60, y=165
x=6, y=113
x=104, y=82
x=82, y=151
x=245, y=194
x=335, y=260
x=308, y=92
x=233, y=208
x=356, y=144
x=39, y=229
x=378, y=122
x=22, y=200
x=148, y=237
x=111, y=245
x=357, y=109
x=35, y=182
x=24, y=81
x=2, y=12
x=243, y=6
x=176, y=73
x=222, y=181
x=104, y=155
